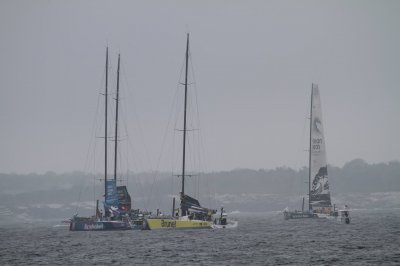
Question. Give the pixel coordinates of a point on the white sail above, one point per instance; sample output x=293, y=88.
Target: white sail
x=319, y=186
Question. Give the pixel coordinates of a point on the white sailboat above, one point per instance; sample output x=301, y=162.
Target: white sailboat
x=319, y=195
x=319, y=199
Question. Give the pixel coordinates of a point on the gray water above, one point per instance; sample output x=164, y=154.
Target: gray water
x=373, y=238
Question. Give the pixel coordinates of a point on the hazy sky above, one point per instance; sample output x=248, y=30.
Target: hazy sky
x=254, y=62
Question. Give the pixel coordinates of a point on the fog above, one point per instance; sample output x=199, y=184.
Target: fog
x=51, y=196
x=253, y=62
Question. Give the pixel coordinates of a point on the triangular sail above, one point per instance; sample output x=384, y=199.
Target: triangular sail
x=319, y=186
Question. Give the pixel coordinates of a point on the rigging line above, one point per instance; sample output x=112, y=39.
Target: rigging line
x=94, y=159
x=176, y=145
x=192, y=137
x=199, y=186
x=202, y=163
x=175, y=107
x=301, y=148
x=193, y=151
x=297, y=169
x=94, y=192
x=165, y=131
x=200, y=139
x=92, y=131
x=127, y=177
x=94, y=164
x=174, y=157
x=128, y=141
x=91, y=140
x=177, y=98
x=130, y=146
x=135, y=114
x=172, y=191
x=195, y=89
x=119, y=166
x=198, y=159
x=127, y=158
x=137, y=183
x=155, y=177
x=197, y=117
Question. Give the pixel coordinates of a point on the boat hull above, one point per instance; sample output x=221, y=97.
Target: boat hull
x=156, y=223
x=89, y=224
x=299, y=215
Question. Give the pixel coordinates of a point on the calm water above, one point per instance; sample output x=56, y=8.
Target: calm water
x=373, y=238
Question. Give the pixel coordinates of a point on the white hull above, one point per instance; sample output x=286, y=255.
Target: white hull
x=340, y=218
x=325, y=216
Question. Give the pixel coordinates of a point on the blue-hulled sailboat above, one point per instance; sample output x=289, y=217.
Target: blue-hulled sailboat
x=118, y=213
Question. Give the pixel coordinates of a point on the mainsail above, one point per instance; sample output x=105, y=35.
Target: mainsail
x=319, y=186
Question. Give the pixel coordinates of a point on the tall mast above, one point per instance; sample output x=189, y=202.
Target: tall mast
x=309, y=150
x=116, y=125
x=184, y=118
x=105, y=129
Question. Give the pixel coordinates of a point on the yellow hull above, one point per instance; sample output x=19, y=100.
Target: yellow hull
x=156, y=223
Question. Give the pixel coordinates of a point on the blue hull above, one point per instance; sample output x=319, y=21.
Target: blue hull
x=89, y=224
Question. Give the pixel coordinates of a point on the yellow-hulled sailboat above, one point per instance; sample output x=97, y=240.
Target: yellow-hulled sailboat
x=177, y=223
x=191, y=214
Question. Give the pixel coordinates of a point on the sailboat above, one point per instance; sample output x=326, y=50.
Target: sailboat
x=190, y=215
x=319, y=198
x=118, y=214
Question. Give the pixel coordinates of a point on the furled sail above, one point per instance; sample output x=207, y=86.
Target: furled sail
x=124, y=199
x=319, y=186
x=192, y=205
x=111, y=199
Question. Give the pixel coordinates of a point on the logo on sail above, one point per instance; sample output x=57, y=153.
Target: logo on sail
x=317, y=125
x=320, y=188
